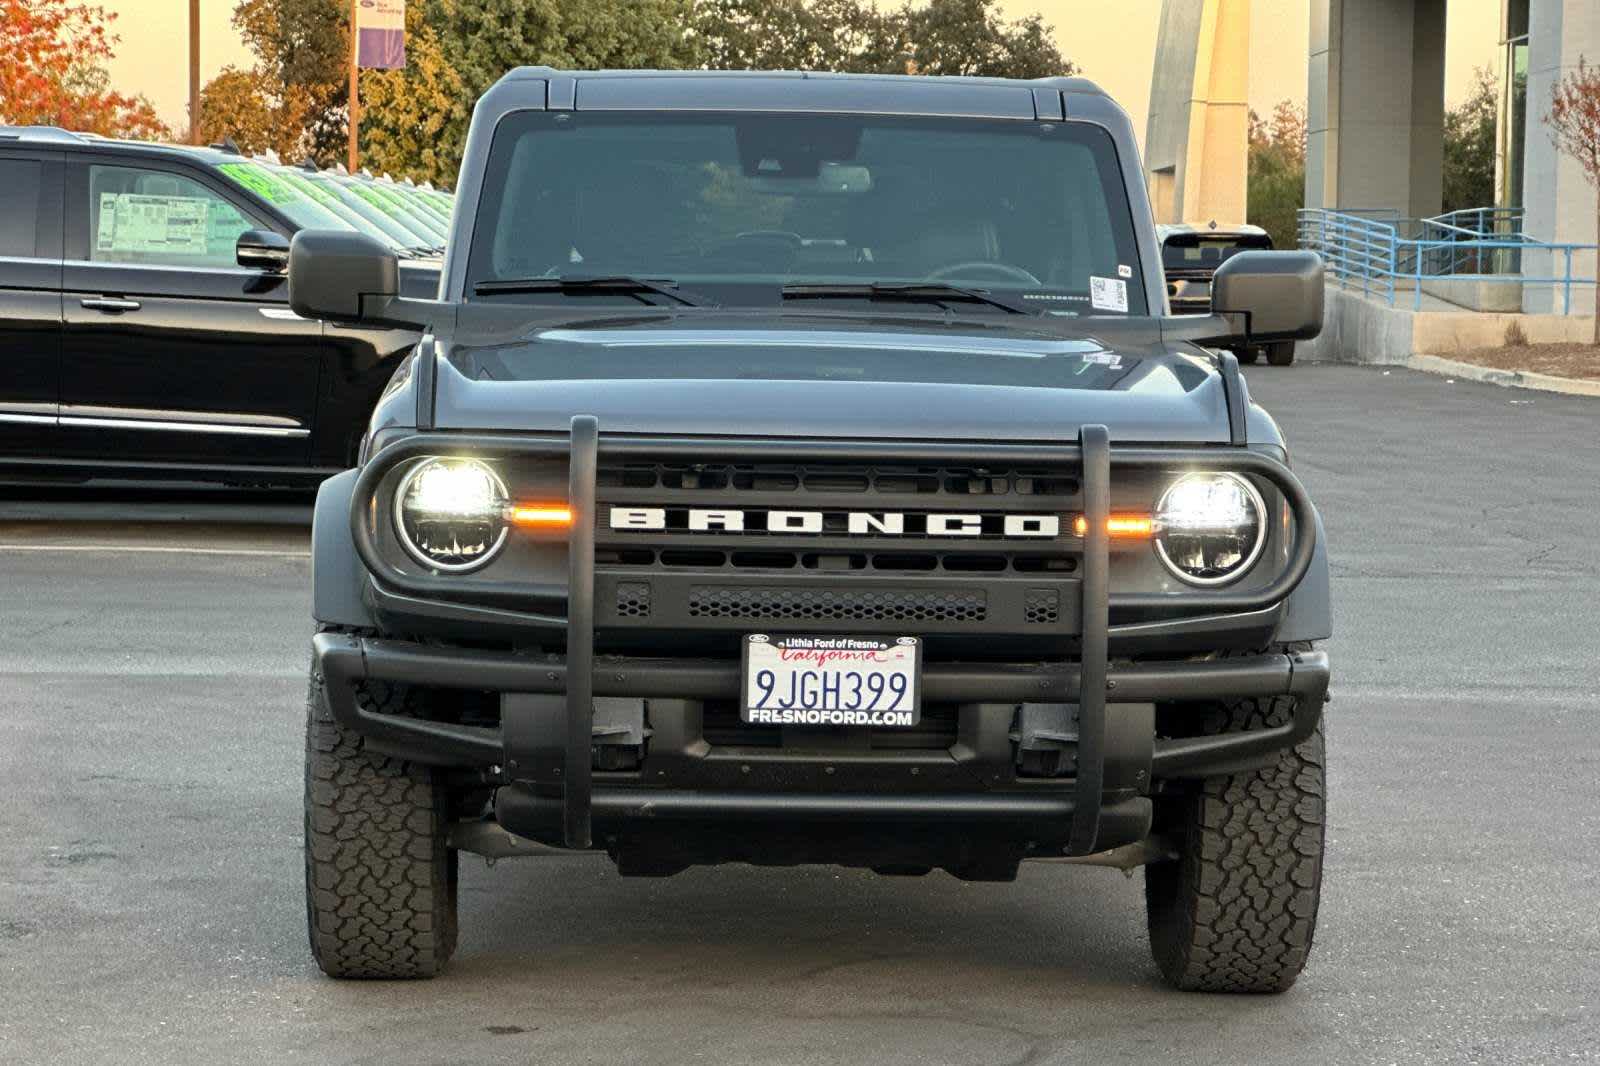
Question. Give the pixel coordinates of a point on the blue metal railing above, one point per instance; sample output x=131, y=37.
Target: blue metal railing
x=1371, y=250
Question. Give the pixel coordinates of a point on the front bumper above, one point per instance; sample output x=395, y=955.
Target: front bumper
x=541, y=753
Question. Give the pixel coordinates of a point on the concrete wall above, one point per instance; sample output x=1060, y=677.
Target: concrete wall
x=1561, y=204
x=1375, y=114
x=1196, y=136
x=1363, y=329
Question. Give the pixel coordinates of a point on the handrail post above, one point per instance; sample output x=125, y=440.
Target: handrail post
x=1566, y=299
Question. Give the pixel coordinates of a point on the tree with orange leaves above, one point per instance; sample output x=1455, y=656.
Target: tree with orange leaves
x=1574, y=121
x=53, y=71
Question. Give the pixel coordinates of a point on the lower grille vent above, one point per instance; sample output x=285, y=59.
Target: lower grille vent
x=633, y=599
x=1043, y=607
x=806, y=605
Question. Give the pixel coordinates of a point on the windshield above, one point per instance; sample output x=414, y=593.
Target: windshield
x=1192, y=251
x=372, y=215
x=302, y=209
x=1035, y=211
x=381, y=198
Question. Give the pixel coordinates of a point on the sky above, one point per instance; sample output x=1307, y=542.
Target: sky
x=1113, y=41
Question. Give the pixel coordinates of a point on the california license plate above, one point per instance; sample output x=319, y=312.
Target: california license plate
x=832, y=681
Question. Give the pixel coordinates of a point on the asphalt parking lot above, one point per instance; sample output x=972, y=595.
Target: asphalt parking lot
x=152, y=676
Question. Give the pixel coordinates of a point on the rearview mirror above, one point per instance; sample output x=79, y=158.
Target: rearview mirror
x=342, y=276
x=262, y=249
x=1278, y=294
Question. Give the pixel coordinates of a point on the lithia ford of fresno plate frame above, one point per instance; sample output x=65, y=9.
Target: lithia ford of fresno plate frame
x=831, y=681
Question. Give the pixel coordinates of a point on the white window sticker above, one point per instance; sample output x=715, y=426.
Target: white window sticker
x=132, y=223
x=1124, y=270
x=1109, y=360
x=1108, y=294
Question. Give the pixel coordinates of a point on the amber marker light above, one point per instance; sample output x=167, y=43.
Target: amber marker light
x=1119, y=525
x=541, y=516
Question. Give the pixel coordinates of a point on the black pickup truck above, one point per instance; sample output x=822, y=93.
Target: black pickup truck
x=806, y=469
x=145, y=329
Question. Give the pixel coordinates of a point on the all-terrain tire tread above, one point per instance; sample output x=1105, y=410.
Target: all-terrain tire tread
x=1237, y=911
x=380, y=882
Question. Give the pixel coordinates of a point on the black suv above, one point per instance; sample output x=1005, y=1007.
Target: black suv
x=805, y=468
x=145, y=323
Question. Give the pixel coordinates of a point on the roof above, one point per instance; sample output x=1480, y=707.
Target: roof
x=1209, y=229
x=798, y=91
x=54, y=135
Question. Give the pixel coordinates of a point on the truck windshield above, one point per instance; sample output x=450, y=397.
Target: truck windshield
x=303, y=210
x=1035, y=211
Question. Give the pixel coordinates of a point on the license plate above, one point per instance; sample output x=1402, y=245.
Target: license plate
x=832, y=681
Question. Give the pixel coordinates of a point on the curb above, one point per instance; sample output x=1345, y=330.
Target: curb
x=1514, y=379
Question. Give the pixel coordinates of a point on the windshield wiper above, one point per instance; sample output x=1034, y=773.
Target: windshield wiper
x=620, y=283
x=919, y=291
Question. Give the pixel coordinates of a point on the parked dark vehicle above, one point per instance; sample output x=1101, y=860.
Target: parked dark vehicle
x=1191, y=256
x=145, y=323
x=802, y=469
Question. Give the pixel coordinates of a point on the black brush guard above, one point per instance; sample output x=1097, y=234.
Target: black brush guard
x=347, y=660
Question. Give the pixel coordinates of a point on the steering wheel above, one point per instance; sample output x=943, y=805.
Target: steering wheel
x=980, y=267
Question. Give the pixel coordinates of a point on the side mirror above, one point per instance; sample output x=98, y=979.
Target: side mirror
x=341, y=275
x=1278, y=294
x=262, y=249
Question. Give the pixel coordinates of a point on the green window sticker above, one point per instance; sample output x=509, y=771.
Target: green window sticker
x=262, y=182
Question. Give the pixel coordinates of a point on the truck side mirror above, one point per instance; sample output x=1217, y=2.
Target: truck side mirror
x=262, y=249
x=341, y=276
x=1278, y=294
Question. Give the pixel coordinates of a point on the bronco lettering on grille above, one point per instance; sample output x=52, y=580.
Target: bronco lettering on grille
x=851, y=523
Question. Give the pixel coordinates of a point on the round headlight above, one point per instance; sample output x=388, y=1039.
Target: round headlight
x=450, y=513
x=1210, y=527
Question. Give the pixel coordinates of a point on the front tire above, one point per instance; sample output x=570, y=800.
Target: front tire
x=380, y=879
x=1237, y=910
x=1247, y=356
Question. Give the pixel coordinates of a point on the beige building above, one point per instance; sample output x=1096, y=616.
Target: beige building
x=1196, y=138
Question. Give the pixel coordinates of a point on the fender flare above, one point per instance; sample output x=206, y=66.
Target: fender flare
x=338, y=578
x=1309, y=614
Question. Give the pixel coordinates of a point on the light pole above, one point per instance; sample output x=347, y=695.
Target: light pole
x=194, y=71
x=355, y=103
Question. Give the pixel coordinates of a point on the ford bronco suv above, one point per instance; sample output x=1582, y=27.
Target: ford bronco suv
x=806, y=469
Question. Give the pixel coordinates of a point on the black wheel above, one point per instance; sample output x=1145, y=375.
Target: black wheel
x=1235, y=912
x=1248, y=356
x=1280, y=354
x=380, y=880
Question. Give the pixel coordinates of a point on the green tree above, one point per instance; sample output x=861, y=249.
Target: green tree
x=968, y=37
x=479, y=40
x=836, y=35
x=939, y=37
x=302, y=48
x=407, y=114
x=1277, y=174
x=257, y=112
x=1469, y=140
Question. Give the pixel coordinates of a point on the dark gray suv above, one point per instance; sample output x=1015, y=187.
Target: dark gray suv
x=805, y=469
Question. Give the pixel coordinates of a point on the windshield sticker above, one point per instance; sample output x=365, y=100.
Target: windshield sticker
x=1124, y=270
x=1109, y=360
x=134, y=223
x=263, y=183
x=1108, y=294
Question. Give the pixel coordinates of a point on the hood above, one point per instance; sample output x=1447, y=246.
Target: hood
x=830, y=377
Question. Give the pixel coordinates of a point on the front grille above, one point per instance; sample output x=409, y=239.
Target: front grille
x=829, y=605
x=836, y=546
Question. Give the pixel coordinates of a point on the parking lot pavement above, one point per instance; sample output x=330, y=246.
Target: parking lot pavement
x=150, y=747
